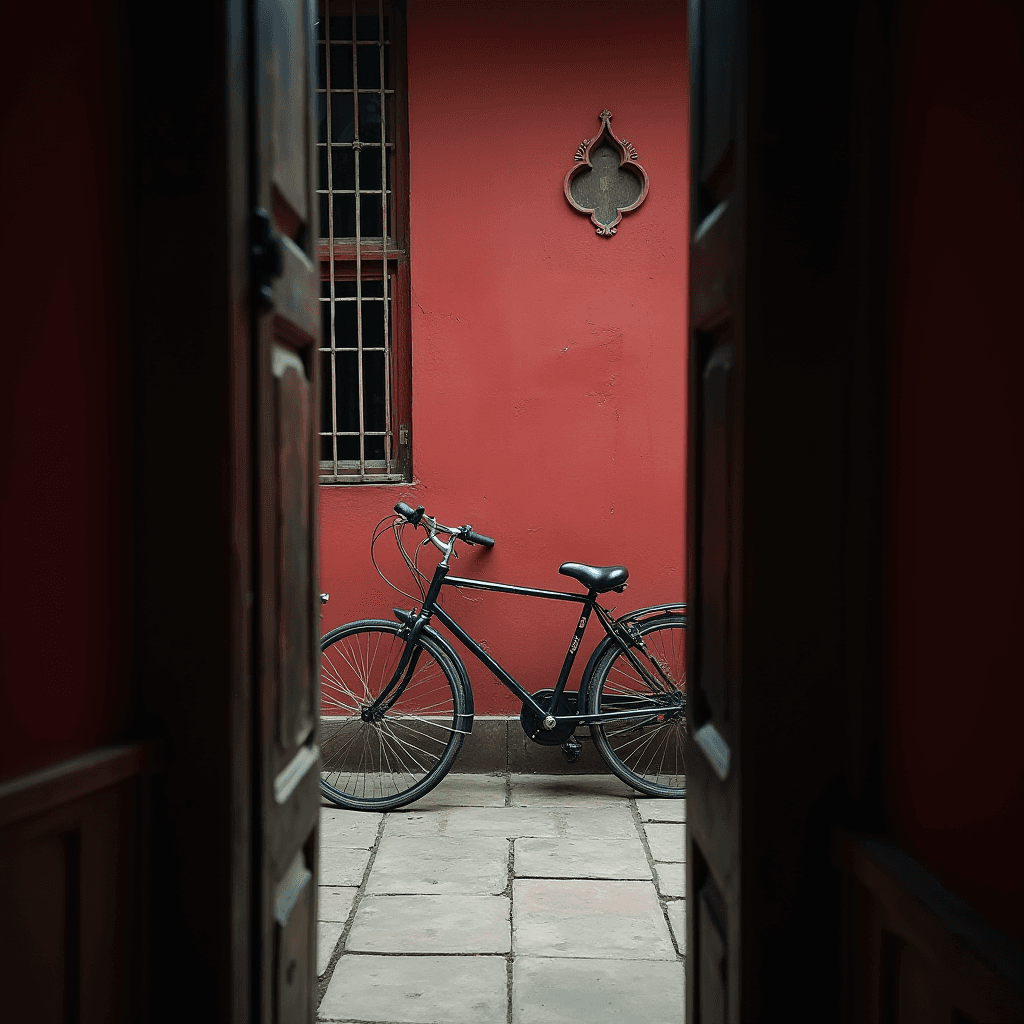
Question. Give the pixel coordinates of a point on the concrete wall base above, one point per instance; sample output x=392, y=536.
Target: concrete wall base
x=498, y=744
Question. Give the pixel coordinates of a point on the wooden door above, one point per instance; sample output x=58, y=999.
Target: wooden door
x=717, y=363
x=286, y=319
x=790, y=120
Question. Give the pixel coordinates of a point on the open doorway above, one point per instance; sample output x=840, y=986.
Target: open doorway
x=533, y=384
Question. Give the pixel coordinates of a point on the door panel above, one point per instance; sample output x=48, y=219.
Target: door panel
x=286, y=340
x=717, y=360
x=789, y=188
x=285, y=33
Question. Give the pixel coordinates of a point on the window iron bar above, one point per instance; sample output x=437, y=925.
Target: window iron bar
x=356, y=135
x=330, y=239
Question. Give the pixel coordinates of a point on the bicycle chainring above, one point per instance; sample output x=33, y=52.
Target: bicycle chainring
x=532, y=722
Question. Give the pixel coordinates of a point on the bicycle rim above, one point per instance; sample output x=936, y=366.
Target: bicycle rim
x=646, y=752
x=399, y=755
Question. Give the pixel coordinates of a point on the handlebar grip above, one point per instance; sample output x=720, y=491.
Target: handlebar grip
x=409, y=513
x=478, y=538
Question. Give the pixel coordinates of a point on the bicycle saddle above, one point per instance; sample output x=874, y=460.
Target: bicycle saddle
x=595, y=577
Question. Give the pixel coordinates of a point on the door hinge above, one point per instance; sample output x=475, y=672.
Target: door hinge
x=265, y=258
x=403, y=435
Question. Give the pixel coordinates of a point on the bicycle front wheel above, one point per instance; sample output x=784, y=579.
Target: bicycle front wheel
x=645, y=750
x=382, y=760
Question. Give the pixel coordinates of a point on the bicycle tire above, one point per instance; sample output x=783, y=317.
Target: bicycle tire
x=647, y=753
x=384, y=764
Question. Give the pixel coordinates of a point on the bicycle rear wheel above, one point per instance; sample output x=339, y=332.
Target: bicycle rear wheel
x=382, y=761
x=645, y=751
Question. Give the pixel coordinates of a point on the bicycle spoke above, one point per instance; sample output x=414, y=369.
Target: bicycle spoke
x=385, y=761
x=646, y=750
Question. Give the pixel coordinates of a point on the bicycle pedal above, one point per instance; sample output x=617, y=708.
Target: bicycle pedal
x=572, y=748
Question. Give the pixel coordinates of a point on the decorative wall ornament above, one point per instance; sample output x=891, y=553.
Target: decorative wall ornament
x=606, y=181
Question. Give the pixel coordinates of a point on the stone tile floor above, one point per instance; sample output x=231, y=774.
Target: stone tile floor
x=496, y=899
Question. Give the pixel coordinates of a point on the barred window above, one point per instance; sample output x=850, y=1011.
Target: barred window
x=364, y=296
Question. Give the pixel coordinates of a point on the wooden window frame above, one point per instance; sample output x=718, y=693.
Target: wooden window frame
x=365, y=258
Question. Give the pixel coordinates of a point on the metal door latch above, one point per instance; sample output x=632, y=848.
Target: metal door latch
x=265, y=256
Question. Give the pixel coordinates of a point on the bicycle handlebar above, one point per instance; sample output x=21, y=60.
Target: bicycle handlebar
x=409, y=513
x=465, y=533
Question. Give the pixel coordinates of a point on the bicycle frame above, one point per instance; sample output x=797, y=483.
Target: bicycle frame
x=417, y=623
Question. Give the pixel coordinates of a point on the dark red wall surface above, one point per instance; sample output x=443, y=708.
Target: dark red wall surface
x=548, y=363
x=956, y=578
x=63, y=401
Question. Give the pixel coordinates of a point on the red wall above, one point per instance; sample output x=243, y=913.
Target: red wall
x=956, y=574
x=548, y=364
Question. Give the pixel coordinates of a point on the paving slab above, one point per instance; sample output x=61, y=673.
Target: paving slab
x=471, y=865
x=670, y=879
x=418, y=990
x=335, y=902
x=356, y=830
x=431, y=924
x=340, y=865
x=558, y=790
x=677, y=919
x=594, y=919
x=667, y=842
x=657, y=809
x=610, y=821
x=464, y=790
x=580, y=858
x=327, y=935
x=560, y=991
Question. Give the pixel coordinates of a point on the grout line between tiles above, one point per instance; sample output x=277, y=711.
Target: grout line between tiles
x=510, y=958
x=663, y=902
x=339, y=946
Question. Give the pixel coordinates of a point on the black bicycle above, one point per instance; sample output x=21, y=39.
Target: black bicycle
x=396, y=700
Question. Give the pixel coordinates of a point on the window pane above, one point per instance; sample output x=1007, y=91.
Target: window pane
x=324, y=216
x=347, y=377
x=341, y=26
x=373, y=323
x=326, y=445
x=344, y=216
x=369, y=169
x=369, y=117
x=367, y=27
x=325, y=323
x=368, y=66
x=345, y=324
x=341, y=117
x=370, y=219
x=343, y=168
x=348, y=448
x=373, y=392
x=341, y=66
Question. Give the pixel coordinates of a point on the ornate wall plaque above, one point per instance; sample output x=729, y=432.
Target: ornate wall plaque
x=607, y=180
